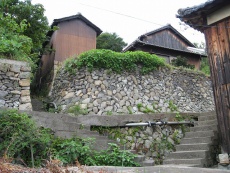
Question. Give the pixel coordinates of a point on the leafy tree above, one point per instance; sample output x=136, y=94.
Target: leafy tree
x=13, y=44
x=110, y=41
x=34, y=15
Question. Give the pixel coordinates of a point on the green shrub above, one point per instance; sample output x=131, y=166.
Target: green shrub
x=22, y=140
x=182, y=62
x=205, y=66
x=114, y=156
x=70, y=150
x=115, y=61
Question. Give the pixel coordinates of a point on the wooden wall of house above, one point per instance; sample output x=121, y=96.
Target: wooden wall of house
x=218, y=46
x=166, y=38
x=193, y=59
x=73, y=38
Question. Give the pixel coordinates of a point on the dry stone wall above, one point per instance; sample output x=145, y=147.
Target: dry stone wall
x=15, y=84
x=102, y=91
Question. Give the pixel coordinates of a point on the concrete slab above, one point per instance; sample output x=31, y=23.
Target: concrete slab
x=156, y=169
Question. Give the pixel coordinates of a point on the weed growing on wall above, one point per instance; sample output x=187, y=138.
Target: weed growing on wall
x=175, y=137
x=77, y=110
x=172, y=106
x=115, y=61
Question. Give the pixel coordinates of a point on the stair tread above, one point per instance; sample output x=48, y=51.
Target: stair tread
x=196, y=144
x=185, y=165
x=203, y=131
x=192, y=151
x=199, y=137
x=183, y=159
x=205, y=126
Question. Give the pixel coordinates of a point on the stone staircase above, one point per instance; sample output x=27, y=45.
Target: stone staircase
x=198, y=147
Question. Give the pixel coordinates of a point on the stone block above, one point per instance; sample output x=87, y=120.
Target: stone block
x=86, y=101
x=69, y=95
x=10, y=74
x=2, y=103
x=16, y=92
x=83, y=106
x=24, y=75
x=24, y=83
x=26, y=68
x=26, y=106
x=25, y=99
x=223, y=159
x=15, y=68
x=3, y=94
x=4, y=67
x=25, y=92
x=98, y=82
x=14, y=78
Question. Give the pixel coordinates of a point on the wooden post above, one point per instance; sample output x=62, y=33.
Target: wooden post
x=218, y=45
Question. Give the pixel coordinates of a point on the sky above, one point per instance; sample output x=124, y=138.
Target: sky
x=127, y=18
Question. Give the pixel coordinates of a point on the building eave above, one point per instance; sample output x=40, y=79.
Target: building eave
x=195, y=16
x=139, y=42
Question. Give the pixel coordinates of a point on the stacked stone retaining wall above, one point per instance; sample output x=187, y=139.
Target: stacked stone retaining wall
x=103, y=92
x=15, y=84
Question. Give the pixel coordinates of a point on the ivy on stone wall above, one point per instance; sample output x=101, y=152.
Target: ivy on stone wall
x=115, y=61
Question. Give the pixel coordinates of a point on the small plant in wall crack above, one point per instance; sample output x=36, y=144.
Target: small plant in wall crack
x=172, y=106
x=130, y=110
x=175, y=137
x=77, y=110
x=109, y=113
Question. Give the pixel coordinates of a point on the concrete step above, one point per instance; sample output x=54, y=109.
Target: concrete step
x=188, y=154
x=102, y=144
x=203, y=128
x=77, y=126
x=196, y=140
x=199, y=134
x=197, y=161
x=190, y=147
x=139, y=159
x=207, y=118
x=95, y=136
x=132, y=151
x=207, y=122
x=149, y=162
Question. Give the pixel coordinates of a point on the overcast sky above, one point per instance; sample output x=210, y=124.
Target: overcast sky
x=128, y=18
